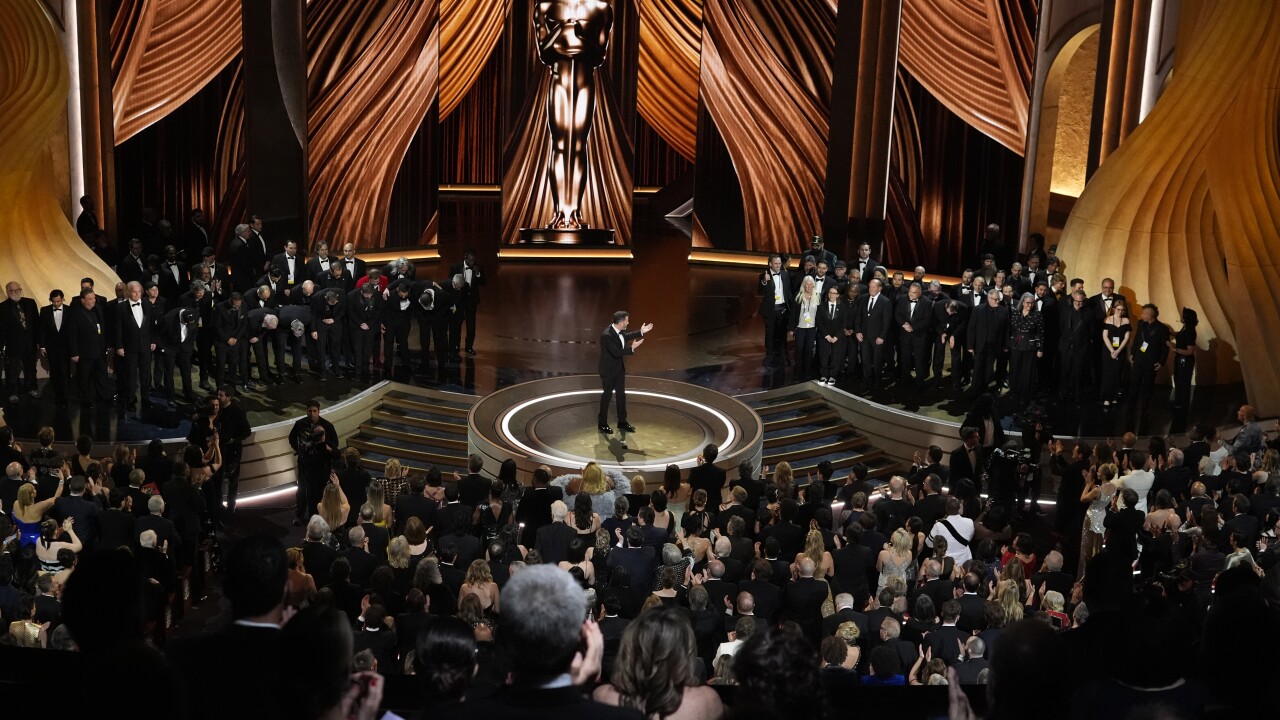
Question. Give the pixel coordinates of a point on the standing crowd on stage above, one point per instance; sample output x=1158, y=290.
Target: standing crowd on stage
x=1016, y=325
x=179, y=310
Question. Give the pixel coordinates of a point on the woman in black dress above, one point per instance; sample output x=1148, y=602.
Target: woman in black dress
x=1026, y=346
x=1184, y=363
x=1115, y=343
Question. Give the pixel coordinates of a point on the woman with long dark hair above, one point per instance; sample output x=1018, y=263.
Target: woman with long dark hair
x=1184, y=362
x=654, y=672
x=1116, y=331
x=1026, y=346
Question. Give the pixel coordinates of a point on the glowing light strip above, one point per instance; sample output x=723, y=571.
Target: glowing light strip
x=268, y=494
x=75, y=123
x=505, y=426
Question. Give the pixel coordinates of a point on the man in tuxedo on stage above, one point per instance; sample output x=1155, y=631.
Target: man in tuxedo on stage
x=472, y=279
x=364, y=322
x=134, y=264
x=830, y=322
x=319, y=263
x=18, y=317
x=51, y=336
x=863, y=269
x=871, y=323
x=913, y=317
x=173, y=278
x=178, y=330
x=248, y=257
x=616, y=343
x=292, y=269
x=354, y=266
x=434, y=310
x=776, y=296
x=87, y=348
x=134, y=344
x=397, y=320
x=986, y=337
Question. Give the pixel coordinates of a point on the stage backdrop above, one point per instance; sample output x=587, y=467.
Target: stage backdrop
x=526, y=180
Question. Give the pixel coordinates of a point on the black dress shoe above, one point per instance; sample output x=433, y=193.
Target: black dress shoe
x=605, y=429
x=626, y=427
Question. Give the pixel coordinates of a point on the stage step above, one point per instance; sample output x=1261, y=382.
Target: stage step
x=811, y=417
x=380, y=433
x=402, y=417
x=801, y=404
x=796, y=438
x=365, y=445
x=434, y=407
x=419, y=427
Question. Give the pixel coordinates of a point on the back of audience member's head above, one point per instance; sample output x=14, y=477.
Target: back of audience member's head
x=314, y=661
x=445, y=659
x=885, y=662
x=777, y=671
x=543, y=629
x=655, y=662
x=256, y=573
x=1021, y=660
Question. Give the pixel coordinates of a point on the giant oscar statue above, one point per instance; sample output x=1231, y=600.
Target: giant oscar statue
x=572, y=37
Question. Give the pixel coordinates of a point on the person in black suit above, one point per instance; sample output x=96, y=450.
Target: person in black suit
x=292, y=265
x=707, y=477
x=328, y=316
x=337, y=279
x=844, y=613
x=173, y=277
x=871, y=323
x=552, y=540
x=315, y=442
x=988, y=326
x=217, y=271
x=364, y=321
x=133, y=324
x=776, y=296
x=469, y=300
x=245, y=655
x=261, y=328
x=185, y=505
x=353, y=267
x=18, y=322
x=863, y=269
x=177, y=336
x=972, y=607
x=855, y=566
x=231, y=351
x=830, y=322
x=52, y=332
x=1148, y=353
x=616, y=342
x=945, y=640
x=133, y=266
x=802, y=601
x=1075, y=340
x=397, y=319
x=87, y=348
x=913, y=317
x=82, y=511
x=950, y=330
x=434, y=311
x=201, y=301
x=534, y=509
x=248, y=257
x=233, y=429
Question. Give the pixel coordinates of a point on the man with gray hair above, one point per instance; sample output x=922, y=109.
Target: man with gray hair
x=12, y=481
x=553, y=646
x=802, y=601
x=972, y=664
x=162, y=527
x=552, y=541
x=362, y=562
x=249, y=257
x=316, y=553
x=131, y=331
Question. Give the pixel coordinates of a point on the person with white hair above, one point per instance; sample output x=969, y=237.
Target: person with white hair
x=163, y=528
x=131, y=328
x=553, y=644
x=552, y=541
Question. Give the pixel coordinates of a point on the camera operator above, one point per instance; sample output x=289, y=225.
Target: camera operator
x=315, y=441
x=1006, y=475
x=1034, y=438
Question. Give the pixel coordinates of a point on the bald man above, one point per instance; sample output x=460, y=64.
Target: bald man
x=802, y=601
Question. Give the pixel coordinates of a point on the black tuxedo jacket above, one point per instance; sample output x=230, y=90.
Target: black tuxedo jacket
x=128, y=335
x=316, y=266
x=354, y=269
x=802, y=602
x=873, y=321
x=831, y=623
x=87, y=335
x=710, y=478
x=867, y=274
x=923, y=316
x=299, y=269
x=131, y=268
x=204, y=310
x=169, y=332
x=987, y=328
x=1076, y=329
x=48, y=336
x=419, y=506
x=359, y=312
x=171, y=287
x=230, y=322
x=248, y=260
x=613, y=351
x=829, y=323
x=470, y=292
x=769, y=308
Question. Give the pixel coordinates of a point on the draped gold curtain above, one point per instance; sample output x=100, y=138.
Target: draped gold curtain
x=766, y=84
x=163, y=52
x=1184, y=213
x=40, y=248
x=469, y=30
x=667, y=87
x=373, y=74
x=975, y=56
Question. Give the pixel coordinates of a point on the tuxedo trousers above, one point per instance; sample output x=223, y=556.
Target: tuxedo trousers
x=614, y=383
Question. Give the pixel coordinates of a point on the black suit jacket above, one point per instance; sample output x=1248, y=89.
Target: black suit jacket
x=116, y=528
x=355, y=269
x=247, y=261
x=84, y=513
x=829, y=323
x=128, y=335
x=961, y=466
x=873, y=321
x=171, y=287
x=614, y=350
x=802, y=602
x=706, y=477
x=868, y=273
x=945, y=643
x=230, y=322
x=19, y=338
x=553, y=543
x=184, y=504
x=769, y=307
x=48, y=336
x=299, y=269
x=131, y=268
x=470, y=292
x=987, y=328
x=923, y=315
x=972, y=616
x=768, y=598
x=163, y=529
x=854, y=566
x=831, y=623
x=170, y=333
x=419, y=506
x=473, y=490
x=314, y=267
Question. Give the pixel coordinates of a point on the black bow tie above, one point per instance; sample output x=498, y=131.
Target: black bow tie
x=57, y=309
x=135, y=304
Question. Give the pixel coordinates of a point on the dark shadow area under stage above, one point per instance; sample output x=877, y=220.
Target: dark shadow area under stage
x=540, y=319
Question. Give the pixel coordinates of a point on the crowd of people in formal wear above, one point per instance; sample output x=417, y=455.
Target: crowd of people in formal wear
x=760, y=595
x=181, y=308
x=1015, y=325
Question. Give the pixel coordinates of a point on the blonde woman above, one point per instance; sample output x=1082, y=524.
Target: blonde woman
x=479, y=582
x=815, y=550
x=333, y=505
x=784, y=480
x=802, y=327
x=302, y=586
x=1010, y=603
x=395, y=480
x=376, y=497
x=896, y=561
x=1098, y=491
x=27, y=512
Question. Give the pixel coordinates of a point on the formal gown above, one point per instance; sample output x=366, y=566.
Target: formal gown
x=1111, y=366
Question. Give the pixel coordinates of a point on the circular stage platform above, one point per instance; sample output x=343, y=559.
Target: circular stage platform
x=553, y=422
